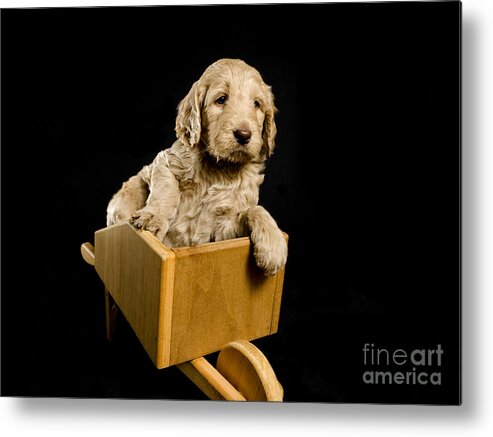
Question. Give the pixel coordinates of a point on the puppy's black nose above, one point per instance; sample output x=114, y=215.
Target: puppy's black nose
x=243, y=135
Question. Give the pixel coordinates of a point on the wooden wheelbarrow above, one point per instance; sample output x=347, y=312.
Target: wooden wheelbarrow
x=184, y=303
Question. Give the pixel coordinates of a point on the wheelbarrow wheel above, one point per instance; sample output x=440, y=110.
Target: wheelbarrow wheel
x=248, y=371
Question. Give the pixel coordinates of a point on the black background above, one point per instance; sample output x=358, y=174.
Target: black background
x=365, y=179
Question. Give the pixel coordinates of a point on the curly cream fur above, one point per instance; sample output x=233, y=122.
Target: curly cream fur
x=206, y=186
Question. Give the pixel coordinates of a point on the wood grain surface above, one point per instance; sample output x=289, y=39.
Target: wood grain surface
x=184, y=303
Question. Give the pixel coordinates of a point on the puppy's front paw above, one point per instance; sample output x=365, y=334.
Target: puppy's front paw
x=271, y=252
x=147, y=220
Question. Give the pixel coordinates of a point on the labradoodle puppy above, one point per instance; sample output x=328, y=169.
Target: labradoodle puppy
x=205, y=187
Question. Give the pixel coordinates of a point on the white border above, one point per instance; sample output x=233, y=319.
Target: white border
x=59, y=417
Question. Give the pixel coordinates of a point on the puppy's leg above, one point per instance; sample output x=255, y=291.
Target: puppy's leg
x=130, y=198
x=162, y=202
x=269, y=245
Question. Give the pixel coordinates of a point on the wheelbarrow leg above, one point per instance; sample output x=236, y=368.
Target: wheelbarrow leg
x=87, y=251
x=111, y=314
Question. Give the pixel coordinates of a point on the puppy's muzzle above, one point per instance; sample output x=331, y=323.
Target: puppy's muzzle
x=242, y=136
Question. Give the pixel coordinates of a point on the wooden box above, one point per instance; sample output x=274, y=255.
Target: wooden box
x=187, y=302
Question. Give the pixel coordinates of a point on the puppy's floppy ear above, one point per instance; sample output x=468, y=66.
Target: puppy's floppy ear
x=269, y=130
x=189, y=119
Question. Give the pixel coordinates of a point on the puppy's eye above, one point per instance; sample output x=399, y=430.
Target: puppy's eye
x=257, y=104
x=221, y=100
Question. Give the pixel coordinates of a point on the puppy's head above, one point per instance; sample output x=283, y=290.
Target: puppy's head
x=230, y=112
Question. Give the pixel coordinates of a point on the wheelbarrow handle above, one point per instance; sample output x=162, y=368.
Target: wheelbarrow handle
x=87, y=251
